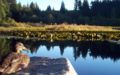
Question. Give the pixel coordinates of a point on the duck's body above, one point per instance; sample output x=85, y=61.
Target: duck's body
x=15, y=61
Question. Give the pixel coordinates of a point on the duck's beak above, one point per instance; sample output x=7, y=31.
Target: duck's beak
x=26, y=49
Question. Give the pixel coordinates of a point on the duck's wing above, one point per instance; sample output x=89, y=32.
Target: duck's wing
x=11, y=58
x=15, y=61
x=11, y=63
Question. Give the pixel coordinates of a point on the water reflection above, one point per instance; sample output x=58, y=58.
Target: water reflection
x=4, y=47
x=95, y=49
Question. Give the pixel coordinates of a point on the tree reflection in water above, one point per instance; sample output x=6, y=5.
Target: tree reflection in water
x=95, y=49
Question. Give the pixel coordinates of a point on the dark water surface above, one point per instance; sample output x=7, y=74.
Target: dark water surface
x=87, y=57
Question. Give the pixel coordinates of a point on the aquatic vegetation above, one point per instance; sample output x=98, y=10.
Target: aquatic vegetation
x=65, y=35
x=63, y=32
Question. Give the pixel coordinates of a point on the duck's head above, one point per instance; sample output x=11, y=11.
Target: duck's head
x=19, y=47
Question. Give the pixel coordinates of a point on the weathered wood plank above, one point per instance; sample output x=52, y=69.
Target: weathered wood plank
x=47, y=66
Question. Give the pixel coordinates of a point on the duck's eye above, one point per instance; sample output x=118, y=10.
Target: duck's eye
x=20, y=44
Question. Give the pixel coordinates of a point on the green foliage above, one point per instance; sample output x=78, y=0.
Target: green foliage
x=3, y=10
x=99, y=12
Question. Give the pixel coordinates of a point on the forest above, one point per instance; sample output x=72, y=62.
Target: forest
x=98, y=12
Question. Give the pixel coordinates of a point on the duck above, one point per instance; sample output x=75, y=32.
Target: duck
x=15, y=61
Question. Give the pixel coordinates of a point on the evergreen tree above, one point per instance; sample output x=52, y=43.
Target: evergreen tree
x=77, y=5
x=62, y=9
x=101, y=12
x=85, y=10
x=49, y=9
x=35, y=8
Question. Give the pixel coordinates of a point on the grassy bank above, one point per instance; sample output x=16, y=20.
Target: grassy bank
x=61, y=27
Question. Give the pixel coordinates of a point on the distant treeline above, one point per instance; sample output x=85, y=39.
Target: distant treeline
x=98, y=12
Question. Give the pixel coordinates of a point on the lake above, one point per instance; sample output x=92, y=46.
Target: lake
x=87, y=57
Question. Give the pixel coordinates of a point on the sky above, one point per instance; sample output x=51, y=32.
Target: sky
x=56, y=4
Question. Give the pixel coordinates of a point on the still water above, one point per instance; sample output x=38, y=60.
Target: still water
x=87, y=57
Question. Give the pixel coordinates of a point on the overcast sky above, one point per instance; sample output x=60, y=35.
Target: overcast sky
x=69, y=4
